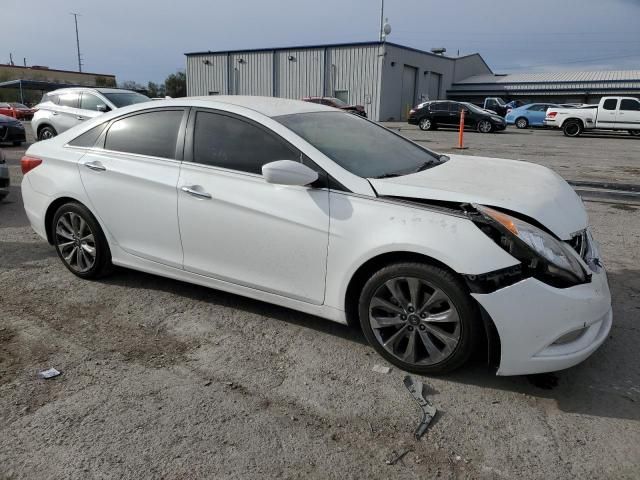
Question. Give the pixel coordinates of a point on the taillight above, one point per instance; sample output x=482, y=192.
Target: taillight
x=29, y=163
x=552, y=114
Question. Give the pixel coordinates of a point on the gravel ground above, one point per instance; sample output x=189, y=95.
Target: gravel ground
x=162, y=379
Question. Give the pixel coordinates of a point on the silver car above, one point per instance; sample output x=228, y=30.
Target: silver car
x=67, y=107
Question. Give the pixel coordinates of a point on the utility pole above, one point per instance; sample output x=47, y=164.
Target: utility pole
x=75, y=17
x=381, y=19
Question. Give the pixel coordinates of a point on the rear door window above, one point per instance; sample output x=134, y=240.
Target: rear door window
x=152, y=134
x=69, y=100
x=629, y=105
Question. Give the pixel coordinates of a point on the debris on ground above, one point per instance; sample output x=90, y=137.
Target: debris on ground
x=381, y=369
x=428, y=410
x=49, y=373
x=397, y=457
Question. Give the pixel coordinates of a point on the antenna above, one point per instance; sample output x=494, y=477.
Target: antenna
x=75, y=17
x=381, y=20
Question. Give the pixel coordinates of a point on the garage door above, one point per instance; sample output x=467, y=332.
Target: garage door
x=408, y=90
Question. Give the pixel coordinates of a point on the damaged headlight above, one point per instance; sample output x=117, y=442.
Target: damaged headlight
x=546, y=257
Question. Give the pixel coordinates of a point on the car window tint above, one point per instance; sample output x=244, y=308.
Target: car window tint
x=454, y=107
x=629, y=105
x=610, y=104
x=228, y=142
x=88, y=139
x=153, y=134
x=90, y=102
x=69, y=100
x=440, y=107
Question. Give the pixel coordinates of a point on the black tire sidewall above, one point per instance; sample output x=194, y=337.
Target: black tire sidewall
x=452, y=286
x=43, y=129
x=526, y=124
x=569, y=125
x=103, y=253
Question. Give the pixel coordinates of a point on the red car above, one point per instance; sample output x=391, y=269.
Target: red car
x=16, y=110
x=337, y=103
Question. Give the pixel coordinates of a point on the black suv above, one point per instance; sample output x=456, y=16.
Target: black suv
x=431, y=115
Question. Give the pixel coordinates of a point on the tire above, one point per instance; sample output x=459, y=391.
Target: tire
x=635, y=133
x=522, y=122
x=448, y=298
x=572, y=128
x=46, y=132
x=80, y=242
x=485, y=126
x=426, y=124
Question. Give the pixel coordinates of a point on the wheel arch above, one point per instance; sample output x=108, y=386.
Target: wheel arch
x=572, y=119
x=490, y=341
x=51, y=211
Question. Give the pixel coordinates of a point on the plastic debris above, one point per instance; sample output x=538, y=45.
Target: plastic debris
x=428, y=410
x=397, y=457
x=50, y=373
x=381, y=369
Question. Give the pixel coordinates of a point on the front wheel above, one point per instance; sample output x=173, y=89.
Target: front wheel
x=426, y=124
x=522, y=123
x=80, y=242
x=419, y=317
x=485, y=126
x=572, y=129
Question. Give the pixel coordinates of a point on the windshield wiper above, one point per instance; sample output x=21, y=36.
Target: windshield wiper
x=387, y=175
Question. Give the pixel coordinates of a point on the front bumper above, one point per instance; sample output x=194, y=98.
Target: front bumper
x=531, y=317
x=12, y=133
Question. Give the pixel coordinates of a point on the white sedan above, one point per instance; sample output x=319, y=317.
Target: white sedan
x=305, y=206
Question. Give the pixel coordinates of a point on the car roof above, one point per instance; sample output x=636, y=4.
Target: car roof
x=94, y=89
x=269, y=106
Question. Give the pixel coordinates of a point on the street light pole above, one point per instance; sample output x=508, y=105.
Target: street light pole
x=75, y=17
x=381, y=19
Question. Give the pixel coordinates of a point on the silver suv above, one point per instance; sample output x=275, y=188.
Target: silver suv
x=67, y=107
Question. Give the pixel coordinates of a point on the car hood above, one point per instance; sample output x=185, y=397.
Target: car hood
x=526, y=188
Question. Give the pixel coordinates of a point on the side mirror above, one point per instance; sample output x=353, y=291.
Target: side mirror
x=102, y=108
x=288, y=172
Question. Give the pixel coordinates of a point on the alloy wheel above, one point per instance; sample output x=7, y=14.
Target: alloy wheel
x=522, y=123
x=485, y=126
x=425, y=124
x=76, y=242
x=414, y=321
x=46, y=134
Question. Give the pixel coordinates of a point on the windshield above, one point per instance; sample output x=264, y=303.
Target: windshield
x=122, y=99
x=337, y=101
x=474, y=108
x=359, y=146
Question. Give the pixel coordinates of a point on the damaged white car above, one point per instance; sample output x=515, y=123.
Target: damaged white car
x=304, y=206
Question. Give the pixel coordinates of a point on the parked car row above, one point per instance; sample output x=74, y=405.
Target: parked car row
x=16, y=110
x=11, y=130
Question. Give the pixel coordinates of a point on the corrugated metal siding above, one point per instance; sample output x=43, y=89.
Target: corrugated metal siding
x=356, y=69
x=254, y=76
x=302, y=76
x=203, y=78
x=556, y=77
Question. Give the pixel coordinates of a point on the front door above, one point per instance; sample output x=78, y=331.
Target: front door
x=132, y=184
x=608, y=113
x=238, y=228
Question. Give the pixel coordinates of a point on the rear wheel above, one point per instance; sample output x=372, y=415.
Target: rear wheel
x=419, y=317
x=80, y=242
x=485, y=126
x=572, y=128
x=426, y=124
x=522, y=122
x=635, y=133
x=46, y=133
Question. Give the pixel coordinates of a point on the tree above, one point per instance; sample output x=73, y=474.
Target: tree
x=155, y=90
x=176, y=85
x=131, y=85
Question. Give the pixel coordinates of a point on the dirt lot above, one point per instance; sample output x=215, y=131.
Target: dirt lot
x=163, y=379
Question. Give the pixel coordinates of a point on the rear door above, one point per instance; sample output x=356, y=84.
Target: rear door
x=238, y=228
x=536, y=114
x=607, y=114
x=440, y=113
x=131, y=182
x=67, y=114
x=629, y=114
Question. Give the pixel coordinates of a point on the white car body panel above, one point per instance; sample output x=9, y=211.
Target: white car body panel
x=544, y=196
x=299, y=247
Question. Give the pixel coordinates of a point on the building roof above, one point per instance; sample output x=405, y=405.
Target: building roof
x=54, y=70
x=328, y=45
x=549, y=83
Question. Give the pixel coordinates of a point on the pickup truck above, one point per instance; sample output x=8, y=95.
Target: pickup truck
x=612, y=113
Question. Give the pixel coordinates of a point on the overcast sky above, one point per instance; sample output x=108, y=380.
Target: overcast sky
x=142, y=41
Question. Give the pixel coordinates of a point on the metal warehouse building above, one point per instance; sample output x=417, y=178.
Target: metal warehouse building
x=386, y=78
x=559, y=87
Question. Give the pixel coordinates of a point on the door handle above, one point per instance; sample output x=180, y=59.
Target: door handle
x=54, y=113
x=79, y=118
x=96, y=166
x=196, y=193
